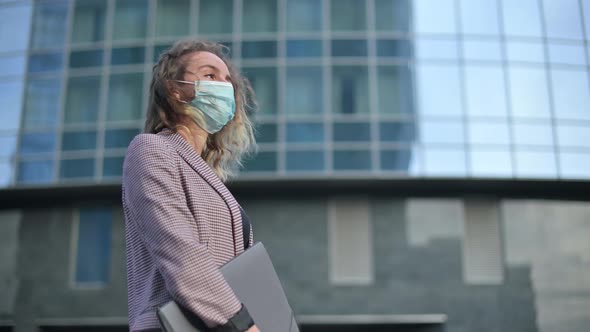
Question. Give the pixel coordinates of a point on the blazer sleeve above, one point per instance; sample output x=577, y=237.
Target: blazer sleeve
x=157, y=204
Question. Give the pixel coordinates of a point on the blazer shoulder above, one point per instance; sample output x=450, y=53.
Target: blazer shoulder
x=149, y=149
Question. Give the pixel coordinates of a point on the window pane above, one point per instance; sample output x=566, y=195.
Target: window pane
x=6, y=173
x=567, y=54
x=536, y=164
x=436, y=49
x=348, y=15
x=299, y=161
x=394, y=48
x=17, y=20
x=49, y=24
x=304, y=15
x=574, y=165
x=37, y=171
x=304, y=48
x=266, y=133
x=119, y=138
x=396, y=95
x=432, y=131
x=130, y=19
x=525, y=51
x=83, y=59
x=488, y=133
x=12, y=65
x=434, y=16
x=125, y=96
x=33, y=143
x=304, y=91
x=159, y=49
x=350, y=89
x=93, y=257
x=89, y=21
x=352, y=160
x=529, y=92
x=439, y=90
x=485, y=91
x=444, y=162
x=349, y=48
x=11, y=96
x=264, y=82
x=522, y=18
x=7, y=146
x=264, y=161
x=482, y=50
x=480, y=17
x=562, y=19
x=42, y=103
x=76, y=168
x=305, y=132
x=392, y=15
x=216, y=16
x=259, y=16
x=586, y=13
x=112, y=166
x=259, y=49
x=573, y=136
x=571, y=94
x=78, y=140
x=491, y=163
x=396, y=160
x=45, y=62
x=127, y=55
x=404, y=132
x=82, y=99
x=351, y=132
x=533, y=134
x=172, y=18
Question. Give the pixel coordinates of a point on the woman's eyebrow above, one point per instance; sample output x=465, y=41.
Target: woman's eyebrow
x=209, y=66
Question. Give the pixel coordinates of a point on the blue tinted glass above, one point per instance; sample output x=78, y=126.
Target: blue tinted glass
x=305, y=132
x=480, y=17
x=127, y=55
x=32, y=143
x=93, y=258
x=569, y=54
x=11, y=95
x=125, y=96
x=482, y=50
x=172, y=18
x=259, y=16
x=439, y=90
x=49, y=24
x=304, y=93
x=437, y=17
x=264, y=82
x=82, y=59
x=392, y=15
x=259, y=49
x=397, y=132
x=445, y=161
x=304, y=48
x=480, y=132
x=78, y=140
x=348, y=15
x=82, y=99
x=305, y=160
x=562, y=19
x=571, y=93
x=45, y=62
x=349, y=47
x=522, y=18
x=89, y=21
x=541, y=164
x=112, y=166
x=529, y=92
x=436, y=49
x=396, y=160
x=76, y=168
x=7, y=146
x=485, y=91
x=12, y=65
x=574, y=165
x=6, y=173
x=350, y=89
x=264, y=161
x=525, y=51
x=35, y=171
x=216, y=21
x=573, y=136
x=304, y=15
x=159, y=49
x=18, y=18
x=395, y=88
x=266, y=133
x=533, y=134
x=130, y=19
x=436, y=131
x=119, y=138
x=352, y=132
x=490, y=163
x=352, y=160
x=395, y=48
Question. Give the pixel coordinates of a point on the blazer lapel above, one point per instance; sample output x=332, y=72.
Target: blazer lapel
x=200, y=166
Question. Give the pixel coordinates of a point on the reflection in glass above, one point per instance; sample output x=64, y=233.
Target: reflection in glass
x=488, y=133
x=439, y=49
x=574, y=165
x=522, y=18
x=78, y=140
x=127, y=55
x=82, y=99
x=262, y=162
x=93, y=254
x=299, y=161
x=11, y=96
x=45, y=62
x=533, y=134
x=525, y=51
x=439, y=90
x=529, y=92
x=17, y=18
x=304, y=48
x=49, y=24
x=485, y=91
x=573, y=136
x=83, y=59
x=569, y=54
x=490, y=163
x=130, y=19
x=348, y=15
x=76, y=168
x=571, y=94
x=264, y=82
x=444, y=161
x=446, y=132
x=304, y=15
x=304, y=91
x=125, y=97
x=482, y=50
x=392, y=15
x=305, y=132
x=350, y=89
x=266, y=133
x=479, y=17
x=396, y=95
x=12, y=65
x=351, y=132
x=119, y=138
x=404, y=132
x=112, y=166
x=436, y=17
x=7, y=146
x=89, y=21
x=33, y=143
x=35, y=171
x=394, y=48
x=396, y=160
x=41, y=103
x=172, y=18
x=352, y=160
x=349, y=48
x=535, y=164
x=562, y=19
x=259, y=49
x=259, y=16
x=219, y=18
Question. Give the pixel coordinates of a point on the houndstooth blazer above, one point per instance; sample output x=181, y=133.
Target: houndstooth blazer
x=181, y=225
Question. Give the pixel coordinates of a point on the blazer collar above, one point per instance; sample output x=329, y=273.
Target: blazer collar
x=186, y=151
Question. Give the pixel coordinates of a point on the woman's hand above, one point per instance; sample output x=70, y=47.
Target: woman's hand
x=253, y=329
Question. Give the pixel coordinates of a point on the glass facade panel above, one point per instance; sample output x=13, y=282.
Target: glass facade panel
x=264, y=82
x=82, y=100
x=394, y=48
x=130, y=20
x=263, y=162
x=574, y=165
x=350, y=89
x=305, y=161
x=435, y=17
x=112, y=166
x=444, y=161
x=396, y=95
x=480, y=17
x=397, y=132
x=533, y=134
x=351, y=132
x=17, y=20
x=89, y=21
x=159, y=49
x=266, y=133
x=119, y=138
x=93, y=254
x=571, y=94
x=84, y=59
x=396, y=160
x=259, y=16
x=525, y=51
x=12, y=65
x=489, y=133
x=304, y=91
x=49, y=24
x=78, y=140
x=305, y=132
x=349, y=48
x=125, y=97
x=447, y=132
x=569, y=54
x=304, y=15
x=522, y=18
x=304, y=48
x=392, y=15
x=6, y=173
x=41, y=103
x=259, y=49
x=563, y=19
x=127, y=55
x=490, y=163
x=436, y=49
x=45, y=62
x=11, y=96
x=352, y=160
x=573, y=136
x=485, y=91
x=348, y=15
x=218, y=18
x=529, y=92
x=535, y=164
x=439, y=90
x=482, y=50
x=172, y=17
x=7, y=146
x=76, y=168
x=34, y=143
x=35, y=172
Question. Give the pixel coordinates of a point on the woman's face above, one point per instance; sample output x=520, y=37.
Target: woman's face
x=206, y=66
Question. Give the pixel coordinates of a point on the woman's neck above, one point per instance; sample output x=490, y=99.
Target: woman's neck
x=197, y=137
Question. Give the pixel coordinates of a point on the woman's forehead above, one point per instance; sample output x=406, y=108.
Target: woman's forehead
x=199, y=59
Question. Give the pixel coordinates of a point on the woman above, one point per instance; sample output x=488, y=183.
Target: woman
x=182, y=223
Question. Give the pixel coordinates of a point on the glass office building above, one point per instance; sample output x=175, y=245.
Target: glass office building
x=349, y=90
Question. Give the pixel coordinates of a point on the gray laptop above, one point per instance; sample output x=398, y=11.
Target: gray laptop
x=253, y=279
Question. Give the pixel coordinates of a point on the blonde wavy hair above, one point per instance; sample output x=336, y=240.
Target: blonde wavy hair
x=224, y=150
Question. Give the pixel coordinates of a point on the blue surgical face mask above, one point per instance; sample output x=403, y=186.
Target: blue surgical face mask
x=214, y=104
